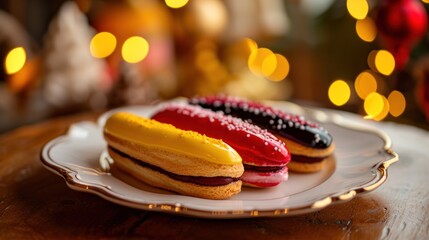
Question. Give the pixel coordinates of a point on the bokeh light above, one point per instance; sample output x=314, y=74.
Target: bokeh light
x=373, y=105
x=357, y=8
x=397, y=103
x=365, y=84
x=102, y=45
x=250, y=44
x=256, y=59
x=24, y=78
x=282, y=68
x=384, y=111
x=176, y=3
x=339, y=92
x=135, y=49
x=366, y=29
x=384, y=62
x=262, y=61
x=15, y=60
x=371, y=60
x=269, y=65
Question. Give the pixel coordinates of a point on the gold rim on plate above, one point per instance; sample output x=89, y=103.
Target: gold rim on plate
x=72, y=180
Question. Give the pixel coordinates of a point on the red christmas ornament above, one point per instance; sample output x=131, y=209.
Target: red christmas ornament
x=401, y=23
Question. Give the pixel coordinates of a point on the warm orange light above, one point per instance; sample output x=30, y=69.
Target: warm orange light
x=339, y=92
x=135, y=49
x=15, y=60
x=384, y=62
x=357, y=8
x=365, y=84
x=250, y=44
x=384, y=111
x=366, y=29
x=102, y=45
x=256, y=59
x=371, y=60
x=373, y=105
x=397, y=103
x=23, y=79
x=269, y=65
x=176, y=3
x=281, y=70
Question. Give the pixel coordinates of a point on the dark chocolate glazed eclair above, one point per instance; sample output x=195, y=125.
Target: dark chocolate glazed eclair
x=309, y=143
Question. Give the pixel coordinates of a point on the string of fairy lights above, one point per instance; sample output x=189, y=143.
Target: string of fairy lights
x=370, y=83
x=367, y=85
x=102, y=45
x=134, y=49
x=260, y=61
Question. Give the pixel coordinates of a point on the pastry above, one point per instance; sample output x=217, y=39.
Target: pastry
x=264, y=156
x=170, y=158
x=310, y=144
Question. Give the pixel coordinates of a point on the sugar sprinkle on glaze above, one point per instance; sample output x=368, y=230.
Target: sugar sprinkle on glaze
x=294, y=127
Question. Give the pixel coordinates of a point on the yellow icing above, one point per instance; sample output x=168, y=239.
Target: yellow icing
x=152, y=133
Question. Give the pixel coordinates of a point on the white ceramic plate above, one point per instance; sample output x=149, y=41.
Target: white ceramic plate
x=359, y=165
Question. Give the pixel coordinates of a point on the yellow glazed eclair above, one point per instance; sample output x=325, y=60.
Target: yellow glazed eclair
x=164, y=156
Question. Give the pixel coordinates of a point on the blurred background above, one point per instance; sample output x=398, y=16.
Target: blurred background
x=64, y=57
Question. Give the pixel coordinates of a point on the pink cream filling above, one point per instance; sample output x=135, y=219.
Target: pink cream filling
x=265, y=179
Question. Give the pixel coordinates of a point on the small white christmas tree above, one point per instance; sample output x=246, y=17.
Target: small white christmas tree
x=72, y=77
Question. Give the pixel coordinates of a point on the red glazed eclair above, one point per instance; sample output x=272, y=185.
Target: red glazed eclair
x=164, y=156
x=264, y=156
x=309, y=143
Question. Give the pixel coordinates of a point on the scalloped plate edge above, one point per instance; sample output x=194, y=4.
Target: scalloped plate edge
x=74, y=183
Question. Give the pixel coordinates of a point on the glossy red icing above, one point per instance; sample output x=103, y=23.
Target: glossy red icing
x=255, y=145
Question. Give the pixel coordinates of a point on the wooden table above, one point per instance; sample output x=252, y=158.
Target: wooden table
x=35, y=203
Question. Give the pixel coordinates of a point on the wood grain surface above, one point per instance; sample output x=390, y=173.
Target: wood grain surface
x=37, y=204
